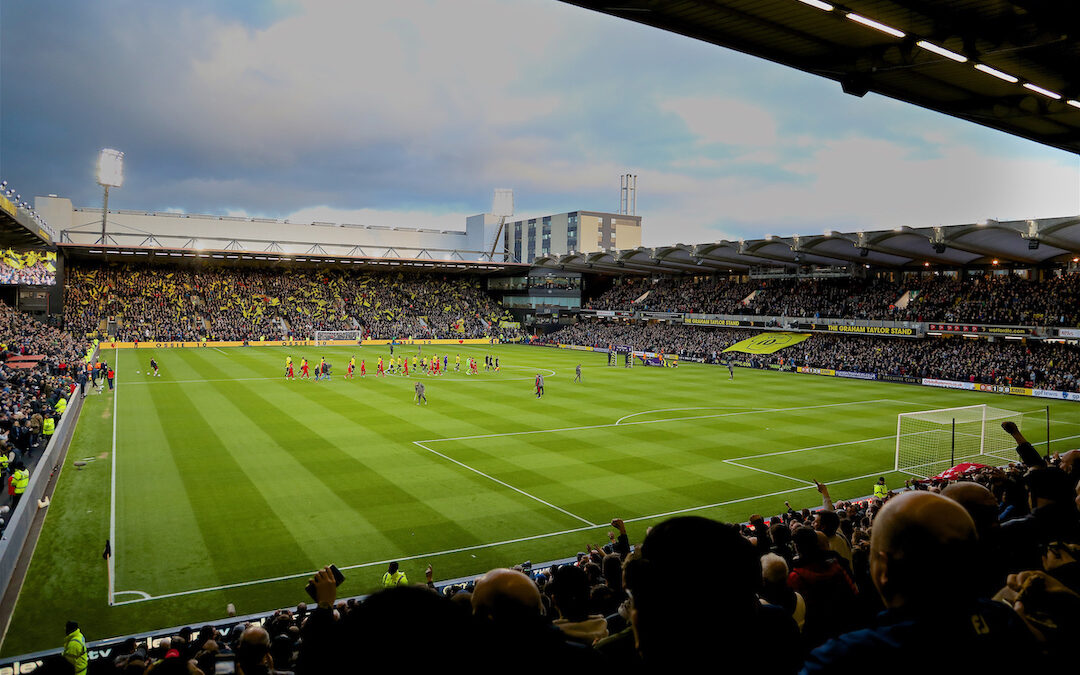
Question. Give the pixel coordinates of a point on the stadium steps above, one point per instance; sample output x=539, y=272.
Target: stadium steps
x=902, y=303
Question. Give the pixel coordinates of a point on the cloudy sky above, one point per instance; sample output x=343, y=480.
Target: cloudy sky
x=411, y=112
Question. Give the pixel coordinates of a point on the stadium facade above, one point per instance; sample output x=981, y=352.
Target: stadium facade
x=572, y=232
x=522, y=241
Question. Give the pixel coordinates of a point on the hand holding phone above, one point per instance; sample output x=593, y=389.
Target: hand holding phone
x=326, y=580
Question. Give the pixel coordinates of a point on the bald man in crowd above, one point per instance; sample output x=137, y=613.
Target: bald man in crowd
x=253, y=652
x=922, y=555
x=510, y=616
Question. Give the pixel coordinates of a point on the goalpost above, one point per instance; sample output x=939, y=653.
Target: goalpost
x=322, y=337
x=930, y=441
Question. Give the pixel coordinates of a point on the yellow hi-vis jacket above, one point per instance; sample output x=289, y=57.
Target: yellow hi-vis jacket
x=22, y=479
x=75, y=651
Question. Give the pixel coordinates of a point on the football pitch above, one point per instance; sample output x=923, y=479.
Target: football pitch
x=221, y=482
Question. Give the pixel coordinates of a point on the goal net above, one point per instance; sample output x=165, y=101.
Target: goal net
x=325, y=337
x=931, y=441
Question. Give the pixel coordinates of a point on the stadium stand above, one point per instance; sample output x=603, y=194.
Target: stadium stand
x=993, y=299
x=39, y=366
x=1049, y=366
x=178, y=303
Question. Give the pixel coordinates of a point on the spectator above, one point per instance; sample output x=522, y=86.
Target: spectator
x=775, y=589
x=694, y=598
x=829, y=591
x=513, y=629
x=571, y=595
x=922, y=551
x=1053, y=519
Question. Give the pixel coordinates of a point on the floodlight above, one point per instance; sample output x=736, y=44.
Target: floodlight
x=876, y=25
x=502, y=205
x=941, y=51
x=110, y=173
x=1075, y=104
x=110, y=168
x=996, y=73
x=824, y=6
x=1045, y=92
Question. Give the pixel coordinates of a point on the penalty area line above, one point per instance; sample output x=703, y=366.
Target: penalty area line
x=771, y=473
x=705, y=407
x=505, y=484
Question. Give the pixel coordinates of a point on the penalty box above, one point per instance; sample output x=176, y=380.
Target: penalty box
x=669, y=459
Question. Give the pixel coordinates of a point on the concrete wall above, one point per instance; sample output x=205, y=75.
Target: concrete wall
x=136, y=228
x=208, y=232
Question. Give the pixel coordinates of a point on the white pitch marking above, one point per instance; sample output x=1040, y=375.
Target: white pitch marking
x=815, y=447
x=771, y=473
x=112, y=488
x=219, y=350
x=145, y=595
x=1064, y=438
x=669, y=419
x=505, y=484
x=486, y=545
x=751, y=498
x=706, y=407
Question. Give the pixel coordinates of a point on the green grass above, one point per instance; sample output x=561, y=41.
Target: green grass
x=232, y=484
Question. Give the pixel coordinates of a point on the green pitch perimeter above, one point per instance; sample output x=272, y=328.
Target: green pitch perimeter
x=232, y=485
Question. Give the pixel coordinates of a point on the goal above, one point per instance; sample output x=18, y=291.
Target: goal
x=323, y=337
x=930, y=441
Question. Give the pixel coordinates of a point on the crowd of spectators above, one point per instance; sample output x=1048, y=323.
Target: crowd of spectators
x=1007, y=299
x=227, y=303
x=30, y=268
x=998, y=299
x=30, y=390
x=975, y=574
x=698, y=295
x=1017, y=363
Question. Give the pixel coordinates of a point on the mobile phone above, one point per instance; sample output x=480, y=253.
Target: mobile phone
x=338, y=578
x=225, y=664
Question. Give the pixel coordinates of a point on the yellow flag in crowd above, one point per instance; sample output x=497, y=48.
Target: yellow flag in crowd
x=767, y=343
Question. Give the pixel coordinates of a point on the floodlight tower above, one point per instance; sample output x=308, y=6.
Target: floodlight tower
x=110, y=173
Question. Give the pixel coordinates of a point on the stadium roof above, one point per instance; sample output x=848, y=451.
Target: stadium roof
x=1020, y=242
x=424, y=262
x=1012, y=65
x=18, y=229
